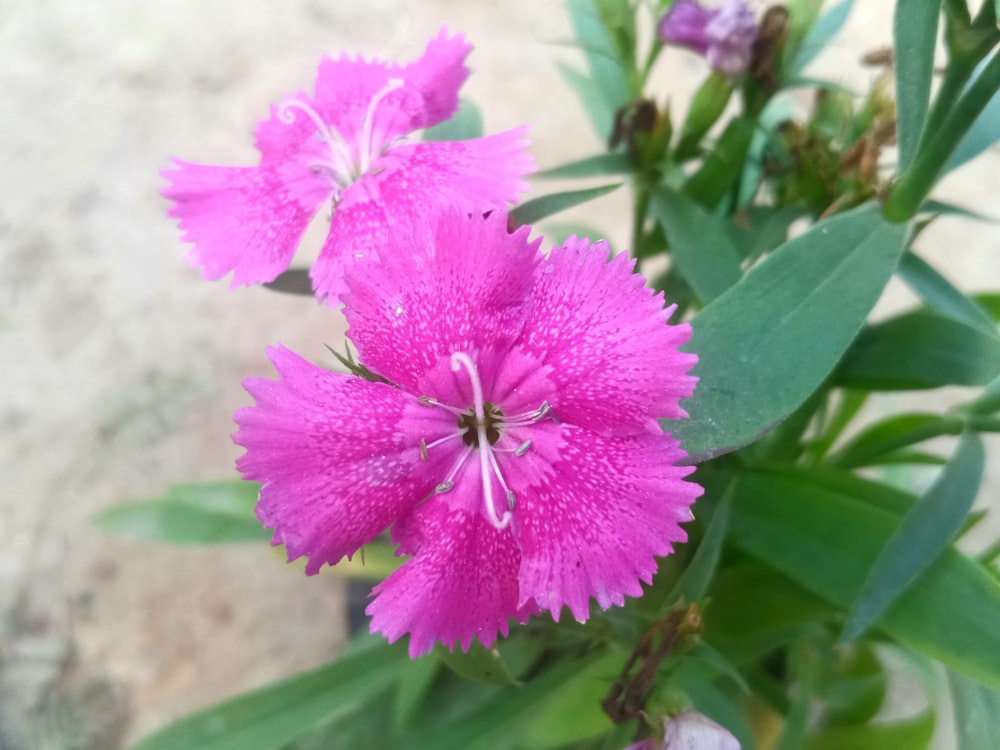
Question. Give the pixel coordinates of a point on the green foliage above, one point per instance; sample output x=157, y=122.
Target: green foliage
x=771, y=339
x=208, y=513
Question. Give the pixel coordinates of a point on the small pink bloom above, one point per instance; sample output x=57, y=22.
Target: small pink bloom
x=690, y=730
x=724, y=35
x=342, y=150
x=516, y=453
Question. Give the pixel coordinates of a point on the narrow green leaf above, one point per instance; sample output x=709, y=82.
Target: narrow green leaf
x=558, y=232
x=950, y=209
x=603, y=58
x=926, y=531
x=537, y=209
x=209, y=513
x=977, y=713
x=825, y=29
x=827, y=541
x=591, y=166
x=698, y=244
x=466, y=123
x=267, y=718
x=501, y=717
x=479, y=664
x=769, y=341
x=915, y=26
x=891, y=434
x=755, y=610
x=715, y=659
x=907, y=734
x=572, y=712
x=698, y=574
x=986, y=402
x=984, y=131
x=921, y=349
x=723, y=165
x=941, y=295
x=600, y=114
x=847, y=409
x=414, y=680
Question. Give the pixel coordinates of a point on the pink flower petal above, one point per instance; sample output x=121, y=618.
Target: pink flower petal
x=462, y=582
x=338, y=456
x=479, y=174
x=409, y=187
x=466, y=289
x=592, y=522
x=247, y=220
x=614, y=359
x=345, y=89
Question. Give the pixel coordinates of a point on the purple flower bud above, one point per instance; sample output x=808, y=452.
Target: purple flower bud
x=724, y=35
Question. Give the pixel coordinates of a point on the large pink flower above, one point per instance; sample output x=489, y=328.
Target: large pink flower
x=516, y=451
x=342, y=150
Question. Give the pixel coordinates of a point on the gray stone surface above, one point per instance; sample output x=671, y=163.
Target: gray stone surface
x=121, y=367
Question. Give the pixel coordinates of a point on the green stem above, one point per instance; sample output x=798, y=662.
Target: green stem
x=639, y=209
x=955, y=78
x=916, y=183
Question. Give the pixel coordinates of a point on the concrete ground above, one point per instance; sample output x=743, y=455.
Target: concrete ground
x=121, y=366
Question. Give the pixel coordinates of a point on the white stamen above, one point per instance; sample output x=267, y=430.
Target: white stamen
x=367, y=146
x=342, y=167
x=487, y=461
x=522, y=448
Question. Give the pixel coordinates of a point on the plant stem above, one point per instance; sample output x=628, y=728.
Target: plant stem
x=916, y=183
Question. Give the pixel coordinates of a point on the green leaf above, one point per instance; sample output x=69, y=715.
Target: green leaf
x=558, y=232
x=847, y=409
x=611, y=83
x=537, y=209
x=921, y=349
x=926, y=531
x=827, y=27
x=698, y=574
x=977, y=713
x=984, y=131
x=591, y=166
x=723, y=165
x=572, y=712
x=827, y=541
x=707, y=105
x=479, y=664
x=501, y=717
x=209, y=513
x=698, y=244
x=754, y=610
x=465, y=124
x=891, y=434
x=600, y=114
x=941, y=295
x=986, y=402
x=950, y=209
x=907, y=734
x=267, y=718
x=772, y=338
x=414, y=681
x=915, y=26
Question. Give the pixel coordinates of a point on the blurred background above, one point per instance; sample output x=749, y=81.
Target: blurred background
x=121, y=367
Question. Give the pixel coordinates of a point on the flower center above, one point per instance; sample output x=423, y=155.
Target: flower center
x=339, y=162
x=480, y=428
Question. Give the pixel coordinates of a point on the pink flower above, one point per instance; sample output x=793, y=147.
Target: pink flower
x=725, y=35
x=342, y=149
x=690, y=730
x=516, y=451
